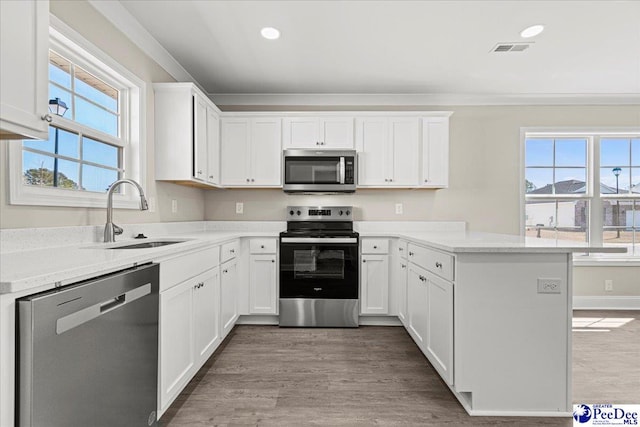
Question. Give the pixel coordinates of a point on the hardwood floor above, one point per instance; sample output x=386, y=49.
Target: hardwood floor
x=267, y=376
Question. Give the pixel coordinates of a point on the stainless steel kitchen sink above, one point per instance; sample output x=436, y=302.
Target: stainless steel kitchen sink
x=147, y=245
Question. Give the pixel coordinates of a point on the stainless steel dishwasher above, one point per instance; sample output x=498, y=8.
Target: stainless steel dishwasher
x=88, y=352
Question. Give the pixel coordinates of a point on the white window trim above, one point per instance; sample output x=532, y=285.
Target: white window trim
x=65, y=39
x=593, y=194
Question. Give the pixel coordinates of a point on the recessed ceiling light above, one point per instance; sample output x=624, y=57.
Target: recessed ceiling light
x=270, y=33
x=532, y=31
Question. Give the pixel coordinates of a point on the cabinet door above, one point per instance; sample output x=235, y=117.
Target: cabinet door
x=263, y=284
x=266, y=152
x=417, y=295
x=206, y=314
x=234, y=166
x=213, y=146
x=200, y=141
x=336, y=132
x=401, y=290
x=374, y=290
x=405, y=143
x=176, y=340
x=24, y=42
x=300, y=132
x=228, y=296
x=373, y=153
x=435, y=152
x=439, y=344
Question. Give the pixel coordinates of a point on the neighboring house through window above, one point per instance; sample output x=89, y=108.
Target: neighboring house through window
x=583, y=186
x=99, y=138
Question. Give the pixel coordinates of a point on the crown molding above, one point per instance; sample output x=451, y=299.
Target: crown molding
x=418, y=100
x=120, y=17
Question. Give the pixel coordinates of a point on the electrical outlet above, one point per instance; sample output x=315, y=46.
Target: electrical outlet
x=399, y=208
x=240, y=208
x=549, y=286
x=174, y=206
x=608, y=285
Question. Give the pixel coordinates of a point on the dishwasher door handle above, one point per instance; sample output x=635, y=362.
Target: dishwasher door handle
x=87, y=314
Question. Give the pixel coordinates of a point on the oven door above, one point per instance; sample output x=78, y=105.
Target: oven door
x=319, y=268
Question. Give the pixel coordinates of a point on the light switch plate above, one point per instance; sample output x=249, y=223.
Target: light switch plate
x=239, y=208
x=399, y=209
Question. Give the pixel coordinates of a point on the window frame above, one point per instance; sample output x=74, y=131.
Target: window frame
x=595, y=220
x=132, y=129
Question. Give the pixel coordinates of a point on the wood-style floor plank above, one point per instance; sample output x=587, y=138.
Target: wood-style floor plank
x=268, y=376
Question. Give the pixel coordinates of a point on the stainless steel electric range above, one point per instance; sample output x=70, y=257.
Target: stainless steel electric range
x=319, y=268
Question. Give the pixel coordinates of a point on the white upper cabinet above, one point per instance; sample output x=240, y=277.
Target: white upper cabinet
x=186, y=135
x=435, y=152
x=251, y=152
x=24, y=44
x=388, y=151
x=318, y=132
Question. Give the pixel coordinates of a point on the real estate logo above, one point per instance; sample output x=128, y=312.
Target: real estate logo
x=605, y=415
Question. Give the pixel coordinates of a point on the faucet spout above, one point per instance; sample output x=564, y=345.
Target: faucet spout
x=110, y=229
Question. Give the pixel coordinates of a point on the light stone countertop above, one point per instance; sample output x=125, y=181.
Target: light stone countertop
x=41, y=269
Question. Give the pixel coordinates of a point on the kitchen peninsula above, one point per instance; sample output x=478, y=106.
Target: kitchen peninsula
x=492, y=313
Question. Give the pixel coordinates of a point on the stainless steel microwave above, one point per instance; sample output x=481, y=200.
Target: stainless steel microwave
x=313, y=171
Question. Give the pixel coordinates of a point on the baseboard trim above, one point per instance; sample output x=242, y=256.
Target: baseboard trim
x=257, y=319
x=379, y=321
x=606, y=303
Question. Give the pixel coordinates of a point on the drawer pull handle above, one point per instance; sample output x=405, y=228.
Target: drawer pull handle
x=403, y=266
x=438, y=265
x=411, y=253
x=225, y=271
x=273, y=260
x=375, y=247
x=233, y=251
x=261, y=246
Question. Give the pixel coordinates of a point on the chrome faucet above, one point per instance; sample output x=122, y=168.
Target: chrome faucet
x=110, y=229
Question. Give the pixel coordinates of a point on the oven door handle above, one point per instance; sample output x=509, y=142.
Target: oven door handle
x=326, y=240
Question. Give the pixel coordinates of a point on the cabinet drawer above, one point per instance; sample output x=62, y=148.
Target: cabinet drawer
x=181, y=268
x=375, y=246
x=262, y=246
x=402, y=249
x=229, y=251
x=434, y=261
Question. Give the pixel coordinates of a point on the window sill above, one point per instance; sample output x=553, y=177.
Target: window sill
x=605, y=261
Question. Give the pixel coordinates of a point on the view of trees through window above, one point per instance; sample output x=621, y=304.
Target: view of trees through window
x=567, y=198
x=78, y=154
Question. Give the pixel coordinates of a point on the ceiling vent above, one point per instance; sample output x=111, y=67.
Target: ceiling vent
x=511, y=47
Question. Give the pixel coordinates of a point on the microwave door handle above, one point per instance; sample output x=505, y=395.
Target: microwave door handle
x=342, y=171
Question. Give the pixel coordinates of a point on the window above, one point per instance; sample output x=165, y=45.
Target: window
x=98, y=139
x=583, y=187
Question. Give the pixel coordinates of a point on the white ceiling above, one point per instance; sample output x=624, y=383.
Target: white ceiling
x=401, y=47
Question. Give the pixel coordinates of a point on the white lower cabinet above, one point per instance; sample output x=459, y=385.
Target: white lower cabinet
x=417, y=316
x=263, y=284
x=189, y=331
x=400, y=284
x=374, y=292
x=228, y=296
x=439, y=339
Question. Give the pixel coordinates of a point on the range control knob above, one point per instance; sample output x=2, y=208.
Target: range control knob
x=290, y=212
x=341, y=212
x=298, y=213
x=348, y=212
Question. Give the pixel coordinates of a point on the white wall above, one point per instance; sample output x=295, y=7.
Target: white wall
x=83, y=18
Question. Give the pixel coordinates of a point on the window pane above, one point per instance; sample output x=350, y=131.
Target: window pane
x=619, y=217
x=538, y=180
x=635, y=180
x=571, y=181
x=37, y=169
x=572, y=220
x=635, y=152
x=68, y=174
x=97, y=179
x=95, y=117
x=99, y=152
x=67, y=143
x=571, y=152
x=614, y=152
x=96, y=90
x=540, y=214
x=611, y=185
x=539, y=152
x=59, y=70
